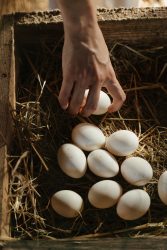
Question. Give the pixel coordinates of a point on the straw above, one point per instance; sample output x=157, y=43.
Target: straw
x=41, y=127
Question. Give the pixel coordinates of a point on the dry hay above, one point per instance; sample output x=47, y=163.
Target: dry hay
x=41, y=127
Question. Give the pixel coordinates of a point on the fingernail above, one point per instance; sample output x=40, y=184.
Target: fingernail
x=63, y=106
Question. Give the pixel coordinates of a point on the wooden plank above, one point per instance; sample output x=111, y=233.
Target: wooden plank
x=7, y=101
x=12, y=6
x=98, y=244
x=132, y=26
x=103, y=14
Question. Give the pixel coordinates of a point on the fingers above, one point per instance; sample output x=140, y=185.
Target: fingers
x=71, y=95
x=76, y=98
x=117, y=93
x=92, y=100
x=73, y=88
x=65, y=92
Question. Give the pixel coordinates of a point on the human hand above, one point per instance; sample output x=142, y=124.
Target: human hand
x=87, y=68
x=85, y=60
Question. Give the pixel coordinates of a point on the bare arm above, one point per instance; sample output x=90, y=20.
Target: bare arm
x=86, y=63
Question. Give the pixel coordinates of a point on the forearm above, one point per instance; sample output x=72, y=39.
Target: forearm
x=85, y=61
x=79, y=16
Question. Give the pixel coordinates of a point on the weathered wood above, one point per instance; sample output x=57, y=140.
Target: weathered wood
x=98, y=244
x=12, y=6
x=7, y=101
x=132, y=26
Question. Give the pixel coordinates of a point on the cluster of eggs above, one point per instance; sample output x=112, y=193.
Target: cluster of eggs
x=102, y=162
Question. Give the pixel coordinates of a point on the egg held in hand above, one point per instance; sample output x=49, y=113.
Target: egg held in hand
x=103, y=103
x=67, y=203
x=72, y=160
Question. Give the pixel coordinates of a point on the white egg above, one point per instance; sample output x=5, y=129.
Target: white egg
x=122, y=143
x=104, y=194
x=103, y=103
x=88, y=137
x=72, y=160
x=102, y=163
x=162, y=187
x=133, y=204
x=67, y=203
x=137, y=171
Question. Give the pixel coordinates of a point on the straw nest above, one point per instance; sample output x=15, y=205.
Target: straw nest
x=41, y=127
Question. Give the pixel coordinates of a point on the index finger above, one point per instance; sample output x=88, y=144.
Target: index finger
x=117, y=93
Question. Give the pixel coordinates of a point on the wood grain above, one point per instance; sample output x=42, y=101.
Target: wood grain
x=130, y=26
x=12, y=6
x=98, y=244
x=7, y=100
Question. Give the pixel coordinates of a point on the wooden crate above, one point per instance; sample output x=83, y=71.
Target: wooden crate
x=130, y=26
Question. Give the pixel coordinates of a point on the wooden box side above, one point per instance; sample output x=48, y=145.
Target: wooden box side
x=7, y=104
x=131, y=26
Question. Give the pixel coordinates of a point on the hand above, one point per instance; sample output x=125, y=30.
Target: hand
x=86, y=65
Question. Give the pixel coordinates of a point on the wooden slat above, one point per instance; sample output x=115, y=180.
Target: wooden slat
x=7, y=101
x=131, y=26
x=12, y=6
x=98, y=244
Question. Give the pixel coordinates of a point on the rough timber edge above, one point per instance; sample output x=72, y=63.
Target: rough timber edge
x=103, y=14
x=7, y=100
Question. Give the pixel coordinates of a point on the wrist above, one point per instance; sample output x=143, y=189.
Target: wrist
x=79, y=18
x=83, y=31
